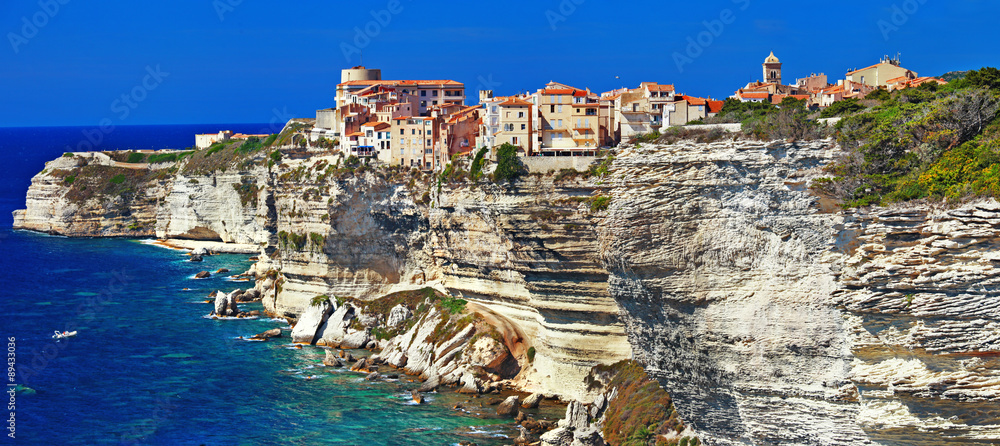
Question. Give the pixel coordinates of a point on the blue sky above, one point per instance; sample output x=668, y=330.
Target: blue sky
x=228, y=61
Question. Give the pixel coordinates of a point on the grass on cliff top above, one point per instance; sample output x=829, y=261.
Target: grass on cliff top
x=641, y=412
x=222, y=156
x=930, y=142
x=117, y=186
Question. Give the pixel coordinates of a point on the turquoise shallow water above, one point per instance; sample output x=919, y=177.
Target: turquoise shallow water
x=148, y=368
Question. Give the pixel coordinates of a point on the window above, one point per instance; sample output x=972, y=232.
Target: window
x=435, y=102
x=552, y=109
x=402, y=131
x=586, y=123
x=423, y=104
x=514, y=140
x=524, y=126
x=428, y=142
x=559, y=124
x=520, y=114
x=423, y=93
x=560, y=109
x=507, y=115
x=369, y=134
x=435, y=93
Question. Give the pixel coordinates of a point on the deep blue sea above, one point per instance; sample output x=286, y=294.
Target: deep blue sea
x=148, y=368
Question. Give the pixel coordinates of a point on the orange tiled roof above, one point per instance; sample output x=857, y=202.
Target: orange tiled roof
x=658, y=87
x=550, y=91
x=833, y=90
x=754, y=95
x=376, y=125
x=715, y=106
x=693, y=100
x=515, y=103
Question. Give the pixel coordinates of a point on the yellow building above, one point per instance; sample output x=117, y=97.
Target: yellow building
x=515, y=122
x=880, y=74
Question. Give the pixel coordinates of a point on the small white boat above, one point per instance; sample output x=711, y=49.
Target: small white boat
x=63, y=334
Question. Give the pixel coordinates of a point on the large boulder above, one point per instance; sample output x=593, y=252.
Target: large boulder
x=307, y=329
x=589, y=436
x=225, y=304
x=398, y=315
x=200, y=251
x=203, y=275
x=490, y=353
x=251, y=295
x=509, y=406
x=559, y=436
x=272, y=333
x=368, y=320
x=532, y=401
x=469, y=383
x=576, y=416
x=331, y=359
x=356, y=339
x=335, y=328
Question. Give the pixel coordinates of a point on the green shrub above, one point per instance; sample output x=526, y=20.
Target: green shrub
x=476, y=170
x=69, y=180
x=531, y=354
x=509, y=167
x=68, y=155
x=135, y=157
x=276, y=156
x=453, y=305
x=319, y=300
x=317, y=239
x=599, y=203
x=118, y=179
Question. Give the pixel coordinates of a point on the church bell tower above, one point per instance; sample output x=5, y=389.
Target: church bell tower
x=772, y=69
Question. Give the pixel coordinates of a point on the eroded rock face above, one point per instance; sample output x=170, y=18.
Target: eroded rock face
x=717, y=258
x=527, y=253
x=921, y=293
x=770, y=321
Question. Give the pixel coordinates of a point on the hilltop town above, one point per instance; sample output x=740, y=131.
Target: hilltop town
x=424, y=123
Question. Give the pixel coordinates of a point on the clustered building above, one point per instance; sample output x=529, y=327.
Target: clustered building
x=817, y=92
x=423, y=123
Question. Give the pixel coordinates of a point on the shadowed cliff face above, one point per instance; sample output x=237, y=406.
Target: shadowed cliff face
x=770, y=322
x=716, y=254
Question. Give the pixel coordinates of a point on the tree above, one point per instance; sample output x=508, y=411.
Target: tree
x=509, y=167
x=841, y=108
x=988, y=77
x=476, y=170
